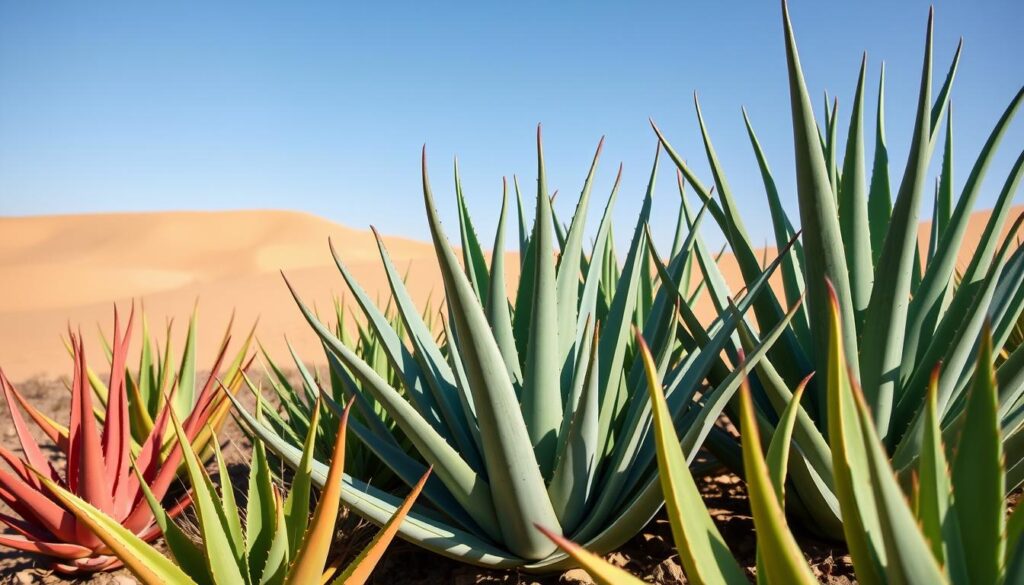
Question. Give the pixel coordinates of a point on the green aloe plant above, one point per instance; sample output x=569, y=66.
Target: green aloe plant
x=902, y=308
x=533, y=411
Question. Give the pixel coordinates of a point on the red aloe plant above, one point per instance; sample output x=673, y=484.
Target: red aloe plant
x=98, y=453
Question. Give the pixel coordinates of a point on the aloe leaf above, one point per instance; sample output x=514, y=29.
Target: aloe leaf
x=497, y=305
x=462, y=383
x=934, y=498
x=524, y=231
x=850, y=463
x=230, y=508
x=941, y=104
x=1008, y=301
x=260, y=510
x=908, y=556
x=522, y=318
x=822, y=238
x=978, y=475
x=829, y=151
x=777, y=550
x=185, y=552
x=472, y=253
x=276, y=567
x=702, y=550
x=592, y=280
x=314, y=543
x=777, y=457
x=512, y=468
x=184, y=399
x=885, y=327
x=568, y=278
x=853, y=207
x=542, y=395
x=944, y=202
x=879, y=195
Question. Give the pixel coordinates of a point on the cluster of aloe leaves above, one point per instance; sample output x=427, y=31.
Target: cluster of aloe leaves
x=297, y=400
x=528, y=411
x=149, y=384
x=280, y=543
x=948, y=526
x=903, y=309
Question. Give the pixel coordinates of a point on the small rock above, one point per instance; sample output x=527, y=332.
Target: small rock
x=124, y=580
x=668, y=571
x=26, y=577
x=576, y=577
x=618, y=559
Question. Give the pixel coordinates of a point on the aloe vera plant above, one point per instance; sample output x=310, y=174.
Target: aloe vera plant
x=530, y=412
x=279, y=543
x=97, y=450
x=943, y=521
x=902, y=308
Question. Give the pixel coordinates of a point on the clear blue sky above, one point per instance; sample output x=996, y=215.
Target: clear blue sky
x=315, y=106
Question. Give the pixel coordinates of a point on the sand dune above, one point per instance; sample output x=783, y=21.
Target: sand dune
x=61, y=270
x=71, y=269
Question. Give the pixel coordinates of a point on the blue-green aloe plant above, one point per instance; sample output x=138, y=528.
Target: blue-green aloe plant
x=903, y=310
x=534, y=411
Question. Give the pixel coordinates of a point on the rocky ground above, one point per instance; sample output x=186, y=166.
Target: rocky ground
x=650, y=554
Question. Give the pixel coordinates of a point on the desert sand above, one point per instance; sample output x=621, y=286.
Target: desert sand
x=71, y=269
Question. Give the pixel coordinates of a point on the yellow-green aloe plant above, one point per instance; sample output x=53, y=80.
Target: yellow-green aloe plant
x=703, y=552
x=546, y=423
x=944, y=519
x=902, y=307
x=279, y=543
